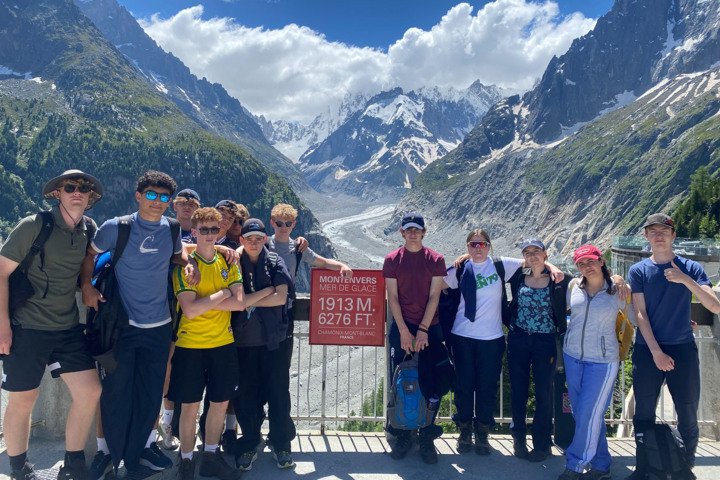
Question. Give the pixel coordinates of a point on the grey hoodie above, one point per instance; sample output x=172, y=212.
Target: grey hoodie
x=591, y=330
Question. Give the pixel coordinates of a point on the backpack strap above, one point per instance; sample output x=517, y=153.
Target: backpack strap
x=505, y=307
x=124, y=225
x=298, y=259
x=90, y=227
x=174, y=233
x=38, y=247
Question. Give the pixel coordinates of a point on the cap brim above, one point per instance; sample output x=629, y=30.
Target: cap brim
x=658, y=223
x=593, y=257
x=250, y=234
x=412, y=225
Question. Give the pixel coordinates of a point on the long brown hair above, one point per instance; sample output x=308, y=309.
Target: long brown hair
x=612, y=289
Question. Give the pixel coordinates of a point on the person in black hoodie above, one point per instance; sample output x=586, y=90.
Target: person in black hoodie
x=537, y=315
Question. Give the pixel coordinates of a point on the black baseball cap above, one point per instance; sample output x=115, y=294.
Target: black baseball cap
x=659, y=219
x=252, y=226
x=412, y=220
x=532, y=242
x=189, y=194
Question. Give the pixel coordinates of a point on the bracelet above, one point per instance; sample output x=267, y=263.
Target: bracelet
x=422, y=329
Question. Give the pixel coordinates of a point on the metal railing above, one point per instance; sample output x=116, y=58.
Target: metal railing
x=330, y=384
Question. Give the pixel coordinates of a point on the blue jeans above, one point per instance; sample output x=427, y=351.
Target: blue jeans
x=478, y=364
x=683, y=382
x=590, y=387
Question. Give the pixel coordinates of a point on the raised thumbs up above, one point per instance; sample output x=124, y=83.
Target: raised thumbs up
x=674, y=274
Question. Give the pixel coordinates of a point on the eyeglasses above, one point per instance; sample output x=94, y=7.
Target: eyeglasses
x=209, y=230
x=478, y=244
x=288, y=223
x=72, y=187
x=153, y=195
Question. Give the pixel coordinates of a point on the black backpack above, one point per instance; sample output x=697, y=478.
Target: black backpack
x=450, y=301
x=661, y=454
x=21, y=290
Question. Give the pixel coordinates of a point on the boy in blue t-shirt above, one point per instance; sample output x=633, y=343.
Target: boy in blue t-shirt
x=132, y=393
x=665, y=350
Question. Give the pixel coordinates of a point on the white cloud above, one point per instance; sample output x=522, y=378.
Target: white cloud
x=295, y=73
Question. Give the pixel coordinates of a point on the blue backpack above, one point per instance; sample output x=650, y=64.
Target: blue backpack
x=407, y=407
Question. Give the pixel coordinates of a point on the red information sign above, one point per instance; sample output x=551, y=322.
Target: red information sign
x=347, y=311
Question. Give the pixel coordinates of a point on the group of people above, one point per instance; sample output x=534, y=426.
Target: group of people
x=548, y=308
x=209, y=317
x=228, y=337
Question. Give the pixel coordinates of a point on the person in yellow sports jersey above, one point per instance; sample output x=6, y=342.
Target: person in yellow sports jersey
x=205, y=355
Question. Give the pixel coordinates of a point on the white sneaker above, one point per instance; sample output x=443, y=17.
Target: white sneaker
x=168, y=440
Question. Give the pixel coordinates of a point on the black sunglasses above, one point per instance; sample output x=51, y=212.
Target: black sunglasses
x=280, y=224
x=82, y=188
x=209, y=230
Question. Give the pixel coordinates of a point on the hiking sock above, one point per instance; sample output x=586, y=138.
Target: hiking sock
x=102, y=446
x=167, y=416
x=210, y=448
x=17, y=462
x=187, y=455
x=151, y=438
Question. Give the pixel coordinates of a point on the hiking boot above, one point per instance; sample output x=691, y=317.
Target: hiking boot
x=539, y=454
x=154, y=459
x=76, y=470
x=101, y=465
x=283, y=458
x=403, y=444
x=482, y=441
x=593, y=474
x=245, y=461
x=427, y=449
x=464, y=441
x=228, y=440
x=520, y=445
x=212, y=464
x=186, y=469
x=569, y=475
x=168, y=441
x=25, y=473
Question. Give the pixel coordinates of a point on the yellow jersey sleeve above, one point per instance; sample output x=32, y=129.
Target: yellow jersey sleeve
x=234, y=275
x=180, y=282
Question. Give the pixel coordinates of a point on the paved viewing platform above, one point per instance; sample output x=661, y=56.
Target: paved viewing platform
x=340, y=455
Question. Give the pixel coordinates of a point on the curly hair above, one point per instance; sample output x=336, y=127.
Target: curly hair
x=153, y=178
x=205, y=214
x=283, y=210
x=243, y=212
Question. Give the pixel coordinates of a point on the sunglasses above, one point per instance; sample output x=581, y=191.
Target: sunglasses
x=478, y=244
x=288, y=223
x=209, y=230
x=72, y=187
x=153, y=195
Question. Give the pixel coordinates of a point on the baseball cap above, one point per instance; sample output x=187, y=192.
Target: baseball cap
x=412, y=220
x=659, y=219
x=587, y=251
x=531, y=242
x=252, y=226
x=189, y=194
x=228, y=205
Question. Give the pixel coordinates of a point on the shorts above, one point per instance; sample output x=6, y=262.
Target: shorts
x=194, y=369
x=33, y=351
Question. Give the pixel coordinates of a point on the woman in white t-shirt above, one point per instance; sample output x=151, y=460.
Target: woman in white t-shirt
x=478, y=341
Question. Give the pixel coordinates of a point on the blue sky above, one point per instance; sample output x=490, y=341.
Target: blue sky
x=296, y=59
x=363, y=23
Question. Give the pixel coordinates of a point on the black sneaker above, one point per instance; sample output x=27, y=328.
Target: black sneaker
x=403, y=444
x=245, y=461
x=154, y=459
x=77, y=470
x=212, y=464
x=101, y=465
x=539, y=454
x=283, y=459
x=593, y=474
x=186, y=469
x=569, y=475
x=25, y=473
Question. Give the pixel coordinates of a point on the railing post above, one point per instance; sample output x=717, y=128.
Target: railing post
x=324, y=390
x=709, y=351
